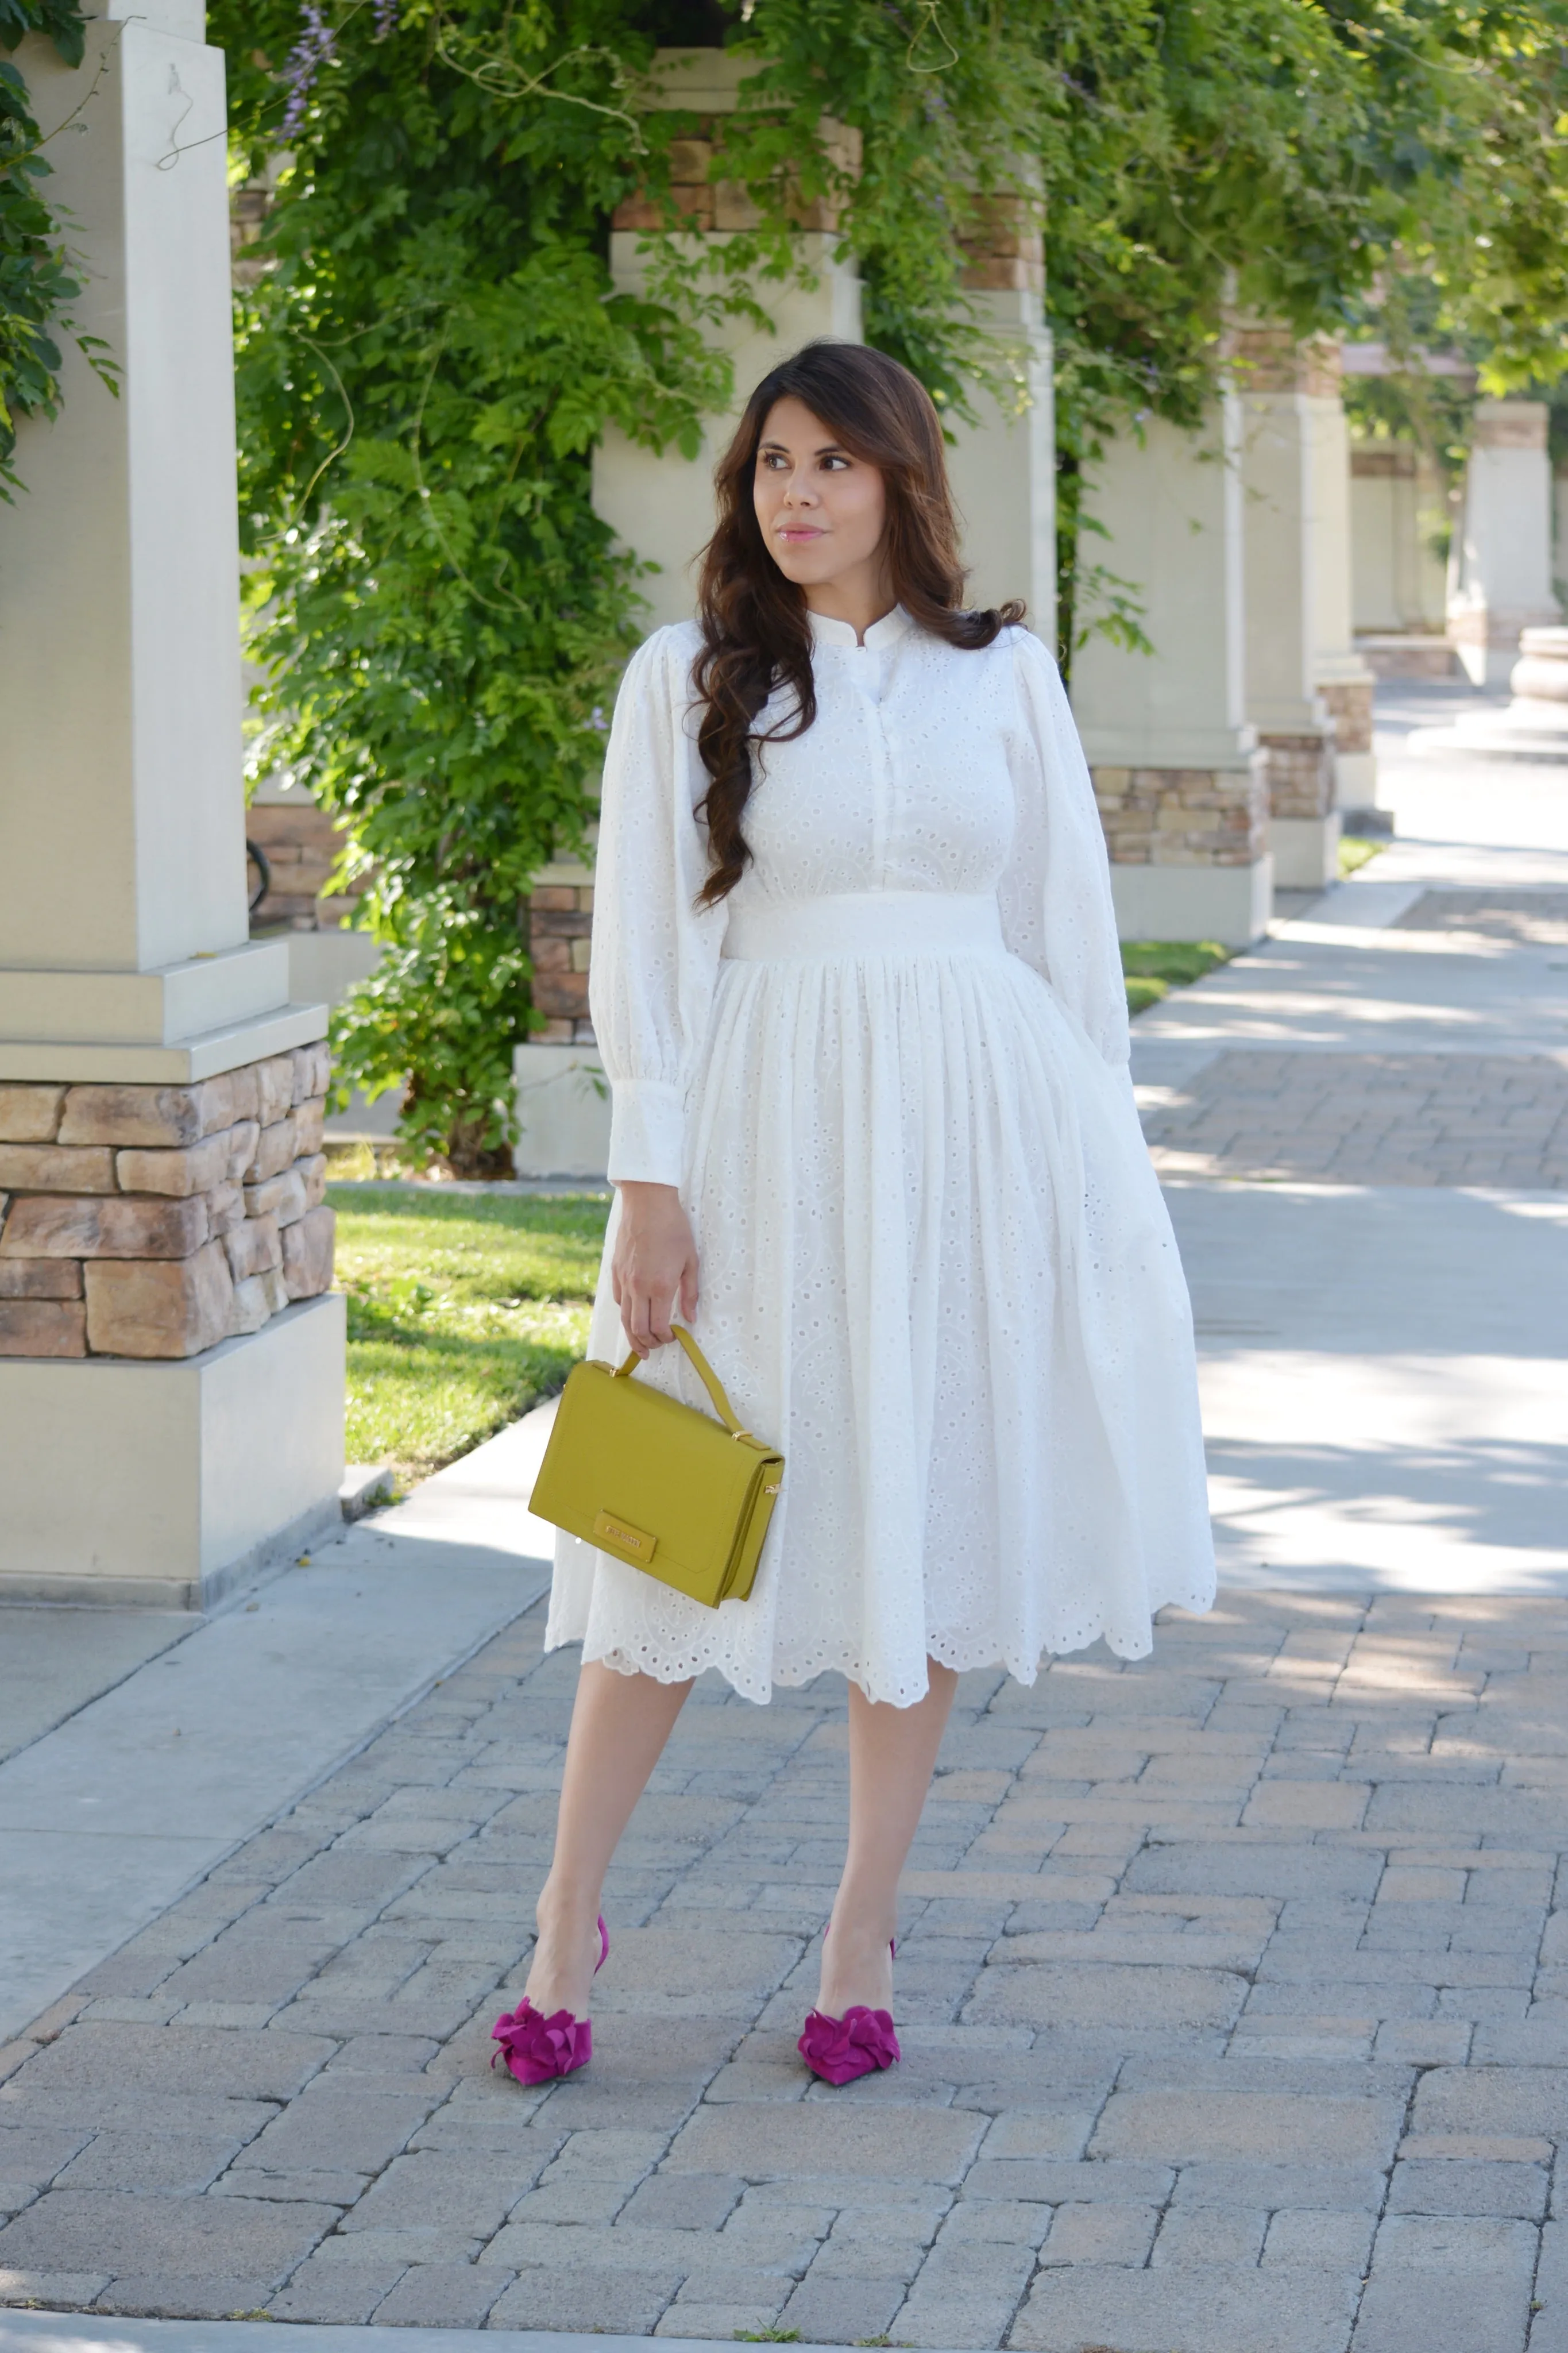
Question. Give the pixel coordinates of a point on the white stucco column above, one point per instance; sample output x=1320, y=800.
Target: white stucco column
x=1399, y=582
x=1282, y=468
x=1499, y=569
x=159, y=1440
x=661, y=504
x=1344, y=679
x=1003, y=468
x=1177, y=768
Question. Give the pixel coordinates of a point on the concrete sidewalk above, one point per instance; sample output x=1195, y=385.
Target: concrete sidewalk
x=1234, y=1984
x=1363, y=1128
x=48, y=2332
x=181, y=1737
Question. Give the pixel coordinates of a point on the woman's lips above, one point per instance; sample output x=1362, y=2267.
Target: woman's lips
x=800, y=530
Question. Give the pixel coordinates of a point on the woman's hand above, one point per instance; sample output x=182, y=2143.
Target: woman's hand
x=654, y=1268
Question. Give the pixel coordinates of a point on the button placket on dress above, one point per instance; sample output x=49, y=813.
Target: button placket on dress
x=873, y=666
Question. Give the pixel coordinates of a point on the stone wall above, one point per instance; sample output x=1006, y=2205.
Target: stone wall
x=723, y=206
x=1349, y=703
x=1266, y=356
x=1003, y=247
x=155, y=1222
x=1184, y=817
x=561, y=918
x=1301, y=772
x=301, y=844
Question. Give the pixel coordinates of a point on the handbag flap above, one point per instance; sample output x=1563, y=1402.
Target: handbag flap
x=622, y=1450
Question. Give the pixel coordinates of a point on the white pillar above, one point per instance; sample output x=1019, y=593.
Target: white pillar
x=1003, y=468
x=1177, y=769
x=1283, y=491
x=1499, y=571
x=1398, y=584
x=661, y=504
x=159, y=1165
x=1344, y=679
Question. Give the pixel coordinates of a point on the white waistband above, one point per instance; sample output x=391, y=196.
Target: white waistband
x=867, y=923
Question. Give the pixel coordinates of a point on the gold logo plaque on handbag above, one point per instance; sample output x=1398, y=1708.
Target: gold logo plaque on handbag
x=655, y=1483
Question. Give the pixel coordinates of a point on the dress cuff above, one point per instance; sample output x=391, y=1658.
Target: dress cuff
x=647, y=1133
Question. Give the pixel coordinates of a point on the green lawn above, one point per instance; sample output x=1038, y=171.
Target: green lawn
x=1153, y=968
x=1356, y=850
x=464, y=1310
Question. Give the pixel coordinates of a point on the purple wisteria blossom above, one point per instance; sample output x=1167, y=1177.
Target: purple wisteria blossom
x=315, y=48
x=386, y=18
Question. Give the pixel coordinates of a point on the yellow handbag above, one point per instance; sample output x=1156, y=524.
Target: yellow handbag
x=656, y=1483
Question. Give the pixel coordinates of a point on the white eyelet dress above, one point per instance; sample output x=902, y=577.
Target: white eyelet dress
x=889, y=1075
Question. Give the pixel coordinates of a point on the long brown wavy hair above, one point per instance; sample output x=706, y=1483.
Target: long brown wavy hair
x=756, y=637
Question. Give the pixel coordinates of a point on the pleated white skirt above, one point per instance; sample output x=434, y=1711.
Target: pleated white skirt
x=937, y=1272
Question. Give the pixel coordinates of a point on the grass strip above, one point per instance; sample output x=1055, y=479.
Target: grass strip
x=1153, y=968
x=1356, y=851
x=463, y=1311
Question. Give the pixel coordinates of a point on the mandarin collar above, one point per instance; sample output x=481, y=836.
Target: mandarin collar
x=825, y=631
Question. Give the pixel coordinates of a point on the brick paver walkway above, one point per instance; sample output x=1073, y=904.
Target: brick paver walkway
x=1234, y=2005
x=1370, y=1118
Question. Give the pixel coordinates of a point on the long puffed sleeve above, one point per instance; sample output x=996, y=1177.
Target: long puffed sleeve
x=655, y=958
x=1055, y=895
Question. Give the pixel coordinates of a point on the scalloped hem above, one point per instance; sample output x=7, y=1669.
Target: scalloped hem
x=963, y=1658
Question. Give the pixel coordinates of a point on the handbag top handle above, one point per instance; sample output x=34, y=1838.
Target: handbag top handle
x=705, y=1374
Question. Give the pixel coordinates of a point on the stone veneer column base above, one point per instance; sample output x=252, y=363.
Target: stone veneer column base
x=1349, y=703
x=1189, y=851
x=1303, y=822
x=562, y=1096
x=171, y=1377
x=155, y=1221
x=560, y=927
x=171, y=1485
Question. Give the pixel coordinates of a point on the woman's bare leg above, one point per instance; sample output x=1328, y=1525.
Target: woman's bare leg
x=892, y=1752
x=619, y=1727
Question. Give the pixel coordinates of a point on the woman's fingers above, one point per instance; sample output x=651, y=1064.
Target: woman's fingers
x=648, y=1317
x=654, y=1265
x=661, y=1307
x=634, y=1319
x=649, y=1325
x=644, y=1327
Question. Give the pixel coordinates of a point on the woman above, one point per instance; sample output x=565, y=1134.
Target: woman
x=856, y=987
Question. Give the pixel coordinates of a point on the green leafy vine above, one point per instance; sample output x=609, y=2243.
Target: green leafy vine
x=37, y=279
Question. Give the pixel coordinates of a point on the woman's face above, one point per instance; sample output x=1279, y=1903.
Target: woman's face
x=822, y=511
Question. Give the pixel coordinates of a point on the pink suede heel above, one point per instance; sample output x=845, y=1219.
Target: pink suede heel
x=537, y=2049
x=841, y=2050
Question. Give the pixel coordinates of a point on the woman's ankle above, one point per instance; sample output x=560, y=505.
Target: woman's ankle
x=857, y=1961
x=565, y=1912
x=867, y=1924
